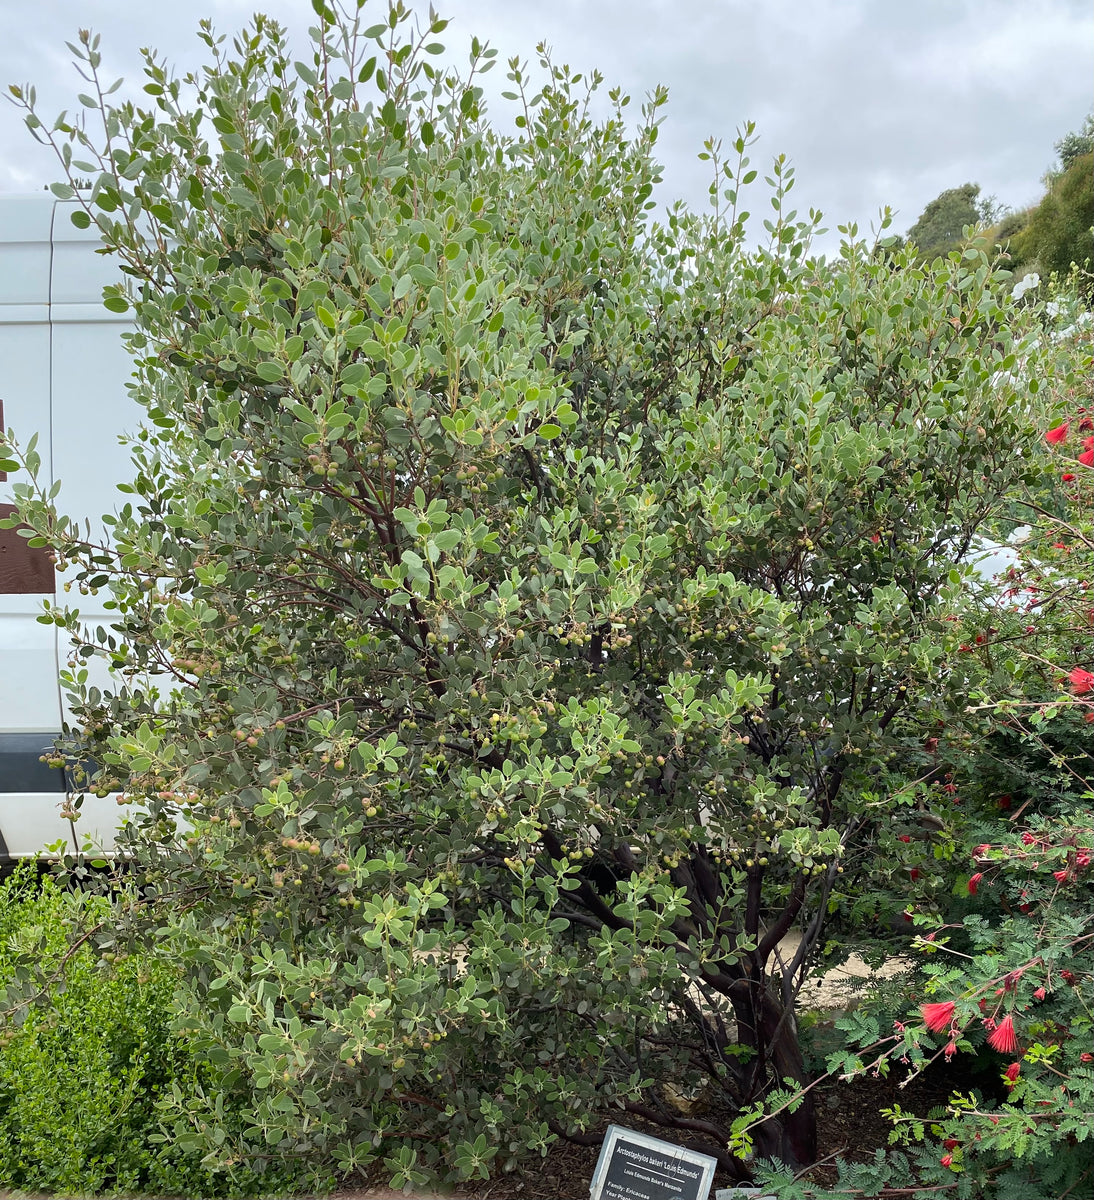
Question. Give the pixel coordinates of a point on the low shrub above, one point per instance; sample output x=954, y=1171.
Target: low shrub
x=87, y=1075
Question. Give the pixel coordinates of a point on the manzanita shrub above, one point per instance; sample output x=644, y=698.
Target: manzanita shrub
x=516, y=600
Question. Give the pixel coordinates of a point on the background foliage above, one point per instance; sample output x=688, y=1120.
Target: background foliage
x=940, y=227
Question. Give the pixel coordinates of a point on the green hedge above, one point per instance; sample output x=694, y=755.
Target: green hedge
x=96, y=1089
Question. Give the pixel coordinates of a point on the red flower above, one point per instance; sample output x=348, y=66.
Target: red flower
x=914, y=873
x=1039, y=994
x=1088, y=443
x=1087, y=458
x=1061, y=876
x=951, y=1049
x=1067, y=477
x=1004, y=1039
x=950, y=1143
x=904, y=838
x=1084, y=1057
x=937, y=1016
x=974, y=882
x=1081, y=681
x=1055, y=436
x=946, y=1159
x=1012, y=1072
x=1003, y=802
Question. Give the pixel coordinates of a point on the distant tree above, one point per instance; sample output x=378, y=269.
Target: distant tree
x=1059, y=233
x=1056, y=231
x=941, y=224
x=1077, y=143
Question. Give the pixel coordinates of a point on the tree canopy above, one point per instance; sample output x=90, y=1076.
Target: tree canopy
x=1077, y=143
x=941, y=225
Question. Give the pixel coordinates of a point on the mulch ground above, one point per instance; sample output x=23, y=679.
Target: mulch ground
x=849, y=1121
x=849, y=1125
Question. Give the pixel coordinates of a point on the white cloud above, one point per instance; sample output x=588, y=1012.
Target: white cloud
x=876, y=101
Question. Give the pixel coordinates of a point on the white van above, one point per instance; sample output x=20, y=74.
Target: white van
x=63, y=371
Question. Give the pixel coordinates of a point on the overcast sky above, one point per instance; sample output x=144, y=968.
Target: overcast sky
x=875, y=101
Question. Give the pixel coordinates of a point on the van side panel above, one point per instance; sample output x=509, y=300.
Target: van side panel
x=62, y=375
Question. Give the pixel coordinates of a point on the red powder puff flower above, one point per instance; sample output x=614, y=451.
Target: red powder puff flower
x=1067, y=477
x=1004, y=1039
x=1061, y=876
x=1028, y=839
x=904, y=838
x=951, y=1143
x=974, y=882
x=1003, y=803
x=1039, y=994
x=1055, y=436
x=1088, y=443
x=946, y=1159
x=951, y=1049
x=1012, y=1072
x=1087, y=458
x=1081, y=681
x=938, y=1015
x=1084, y=1057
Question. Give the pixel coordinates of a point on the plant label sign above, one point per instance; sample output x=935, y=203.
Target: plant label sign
x=634, y=1166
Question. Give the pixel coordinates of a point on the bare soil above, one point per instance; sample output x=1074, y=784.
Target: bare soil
x=850, y=1126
